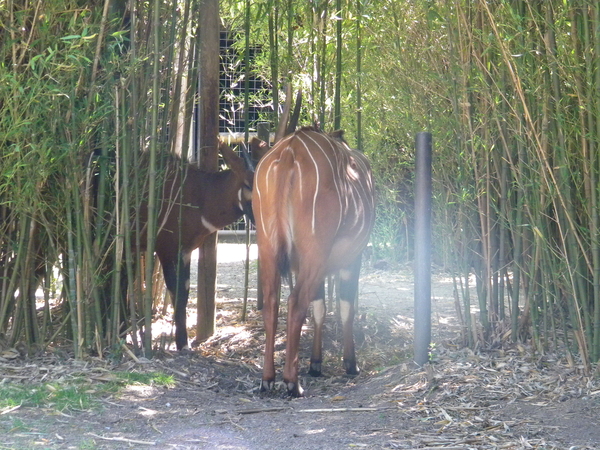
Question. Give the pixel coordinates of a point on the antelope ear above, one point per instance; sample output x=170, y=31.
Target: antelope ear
x=231, y=158
x=258, y=148
x=339, y=135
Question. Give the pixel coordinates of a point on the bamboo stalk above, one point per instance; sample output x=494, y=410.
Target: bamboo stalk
x=593, y=96
x=14, y=278
x=152, y=182
x=322, y=63
x=337, y=114
x=30, y=275
x=272, y=13
x=290, y=40
x=122, y=220
x=246, y=143
x=359, y=51
x=178, y=112
x=133, y=146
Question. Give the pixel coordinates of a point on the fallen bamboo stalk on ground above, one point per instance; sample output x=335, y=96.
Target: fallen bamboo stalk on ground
x=260, y=410
x=120, y=439
x=330, y=410
x=9, y=409
x=322, y=410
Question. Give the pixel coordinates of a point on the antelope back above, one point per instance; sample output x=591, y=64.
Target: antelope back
x=313, y=200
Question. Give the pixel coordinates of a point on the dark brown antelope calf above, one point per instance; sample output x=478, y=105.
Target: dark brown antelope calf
x=193, y=206
x=314, y=210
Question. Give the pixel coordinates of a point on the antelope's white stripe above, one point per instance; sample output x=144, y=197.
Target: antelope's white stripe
x=317, y=184
x=336, y=177
x=209, y=226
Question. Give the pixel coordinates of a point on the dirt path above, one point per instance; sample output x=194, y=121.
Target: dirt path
x=501, y=399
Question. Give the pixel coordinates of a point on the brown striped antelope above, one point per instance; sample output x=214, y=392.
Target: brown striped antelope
x=314, y=207
x=190, y=209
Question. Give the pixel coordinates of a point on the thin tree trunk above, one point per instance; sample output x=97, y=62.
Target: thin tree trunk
x=208, y=135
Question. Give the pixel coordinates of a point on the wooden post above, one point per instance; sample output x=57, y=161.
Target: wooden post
x=207, y=135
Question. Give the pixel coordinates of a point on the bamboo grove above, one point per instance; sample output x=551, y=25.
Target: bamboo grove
x=510, y=90
x=85, y=89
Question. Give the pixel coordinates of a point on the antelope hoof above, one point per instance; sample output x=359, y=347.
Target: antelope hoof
x=182, y=345
x=294, y=389
x=351, y=367
x=315, y=369
x=185, y=350
x=267, y=385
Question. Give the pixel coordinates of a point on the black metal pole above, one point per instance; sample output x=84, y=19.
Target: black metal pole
x=422, y=247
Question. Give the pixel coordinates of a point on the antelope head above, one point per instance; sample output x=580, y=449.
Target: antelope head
x=243, y=173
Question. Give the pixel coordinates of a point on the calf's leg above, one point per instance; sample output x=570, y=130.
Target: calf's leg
x=177, y=279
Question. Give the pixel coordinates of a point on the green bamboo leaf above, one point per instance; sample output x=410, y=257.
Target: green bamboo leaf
x=33, y=60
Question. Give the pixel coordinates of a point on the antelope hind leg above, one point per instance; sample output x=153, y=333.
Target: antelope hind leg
x=319, y=311
x=270, y=280
x=348, y=294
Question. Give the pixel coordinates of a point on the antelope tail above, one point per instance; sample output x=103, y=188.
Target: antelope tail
x=285, y=220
